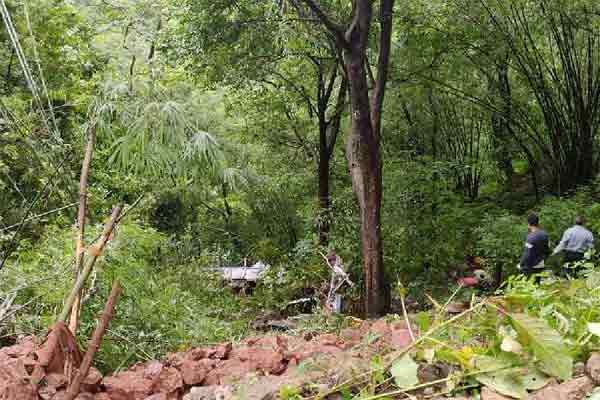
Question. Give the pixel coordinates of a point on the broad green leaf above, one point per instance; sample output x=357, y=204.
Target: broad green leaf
x=534, y=379
x=501, y=377
x=423, y=320
x=545, y=343
x=404, y=372
x=461, y=357
x=594, y=327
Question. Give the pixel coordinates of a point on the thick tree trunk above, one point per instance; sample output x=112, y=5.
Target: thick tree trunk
x=365, y=169
x=364, y=162
x=362, y=148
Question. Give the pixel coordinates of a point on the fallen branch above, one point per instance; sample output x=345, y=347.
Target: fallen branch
x=406, y=319
x=95, y=252
x=95, y=341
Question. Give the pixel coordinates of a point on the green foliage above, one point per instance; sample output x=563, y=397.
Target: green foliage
x=164, y=307
x=289, y=393
x=501, y=376
x=404, y=372
x=500, y=241
x=547, y=345
x=230, y=173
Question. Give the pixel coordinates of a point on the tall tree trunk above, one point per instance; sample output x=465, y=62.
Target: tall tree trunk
x=363, y=145
x=323, y=218
x=324, y=199
x=328, y=134
x=501, y=117
x=364, y=162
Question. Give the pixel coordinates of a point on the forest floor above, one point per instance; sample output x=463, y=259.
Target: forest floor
x=255, y=368
x=352, y=364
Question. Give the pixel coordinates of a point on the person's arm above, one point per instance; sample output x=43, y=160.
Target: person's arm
x=590, y=242
x=525, y=258
x=563, y=242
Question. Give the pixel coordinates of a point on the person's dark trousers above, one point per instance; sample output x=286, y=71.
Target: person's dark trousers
x=571, y=257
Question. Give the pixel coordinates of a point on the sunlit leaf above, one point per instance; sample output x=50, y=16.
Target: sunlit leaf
x=500, y=376
x=510, y=345
x=545, y=343
x=404, y=372
x=594, y=328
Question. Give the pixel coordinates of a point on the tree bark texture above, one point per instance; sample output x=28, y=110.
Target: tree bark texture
x=363, y=146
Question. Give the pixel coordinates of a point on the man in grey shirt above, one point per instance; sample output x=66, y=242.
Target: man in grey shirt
x=575, y=242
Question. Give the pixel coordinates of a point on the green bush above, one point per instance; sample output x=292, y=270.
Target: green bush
x=500, y=239
x=163, y=307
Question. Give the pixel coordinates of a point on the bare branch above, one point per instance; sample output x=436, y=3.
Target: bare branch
x=385, y=39
x=334, y=28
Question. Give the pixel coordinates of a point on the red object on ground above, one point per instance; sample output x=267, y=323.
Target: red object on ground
x=469, y=281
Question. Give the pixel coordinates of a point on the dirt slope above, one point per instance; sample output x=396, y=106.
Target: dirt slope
x=254, y=369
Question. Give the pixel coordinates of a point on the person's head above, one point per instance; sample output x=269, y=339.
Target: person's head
x=579, y=220
x=533, y=221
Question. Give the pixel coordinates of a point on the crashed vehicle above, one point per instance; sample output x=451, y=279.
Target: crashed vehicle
x=243, y=278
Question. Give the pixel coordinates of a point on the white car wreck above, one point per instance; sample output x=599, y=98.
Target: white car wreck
x=243, y=277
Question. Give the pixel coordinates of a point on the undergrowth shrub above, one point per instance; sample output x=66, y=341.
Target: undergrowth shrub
x=164, y=307
x=500, y=240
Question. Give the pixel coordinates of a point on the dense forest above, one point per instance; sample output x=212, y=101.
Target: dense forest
x=153, y=142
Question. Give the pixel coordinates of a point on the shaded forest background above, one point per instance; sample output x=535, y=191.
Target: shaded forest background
x=228, y=121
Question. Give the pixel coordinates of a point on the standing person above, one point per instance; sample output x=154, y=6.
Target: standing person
x=575, y=242
x=536, y=248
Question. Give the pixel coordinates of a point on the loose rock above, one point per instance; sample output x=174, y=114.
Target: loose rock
x=592, y=367
x=574, y=389
x=489, y=394
x=214, y=392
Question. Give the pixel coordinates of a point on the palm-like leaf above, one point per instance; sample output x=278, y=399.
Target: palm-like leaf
x=167, y=134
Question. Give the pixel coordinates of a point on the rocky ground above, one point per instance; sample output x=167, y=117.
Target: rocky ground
x=255, y=369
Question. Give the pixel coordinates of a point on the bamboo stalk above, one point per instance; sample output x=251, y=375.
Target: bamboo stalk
x=95, y=251
x=95, y=341
x=80, y=246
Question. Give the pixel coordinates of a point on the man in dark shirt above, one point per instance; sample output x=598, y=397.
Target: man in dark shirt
x=536, y=247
